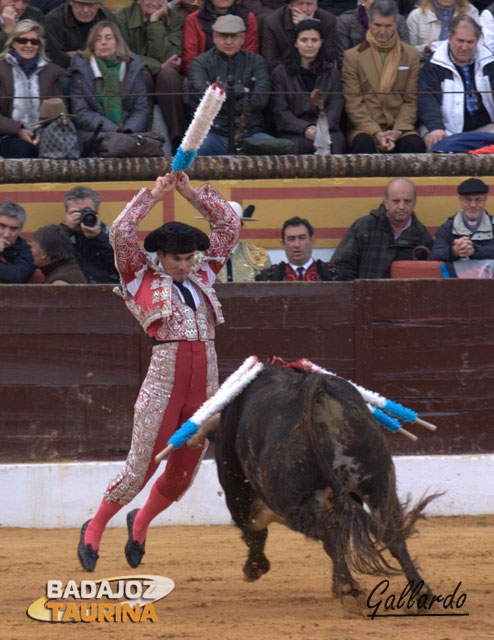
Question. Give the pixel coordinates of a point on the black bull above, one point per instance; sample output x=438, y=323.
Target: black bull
x=306, y=446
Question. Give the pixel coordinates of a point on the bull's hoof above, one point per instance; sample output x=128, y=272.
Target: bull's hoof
x=253, y=570
x=354, y=602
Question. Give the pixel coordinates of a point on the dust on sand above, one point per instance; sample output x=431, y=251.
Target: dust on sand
x=211, y=600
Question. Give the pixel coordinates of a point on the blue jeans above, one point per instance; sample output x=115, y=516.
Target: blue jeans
x=14, y=147
x=216, y=145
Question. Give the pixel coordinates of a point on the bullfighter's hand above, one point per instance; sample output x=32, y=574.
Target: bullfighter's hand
x=184, y=188
x=164, y=184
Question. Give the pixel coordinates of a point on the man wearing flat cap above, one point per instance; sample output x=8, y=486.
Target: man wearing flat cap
x=172, y=297
x=242, y=73
x=469, y=234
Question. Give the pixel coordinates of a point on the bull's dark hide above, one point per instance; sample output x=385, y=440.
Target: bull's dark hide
x=306, y=446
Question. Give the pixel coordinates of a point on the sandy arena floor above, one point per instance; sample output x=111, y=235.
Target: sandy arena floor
x=211, y=601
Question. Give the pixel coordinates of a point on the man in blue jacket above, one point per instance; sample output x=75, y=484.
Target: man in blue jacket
x=469, y=234
x=16, y=260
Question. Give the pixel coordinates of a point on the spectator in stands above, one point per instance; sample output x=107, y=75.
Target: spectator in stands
x=107, y=87
x=16, y=261
x=459, y=68
x=185, y=7
x=247, y=260
x=353, y=25
x=89, y=235
x=262, y=7
x=428, y=24
x=53, y=254
x=336, y=7
x=11, y=12
x=154, y=32
x=486, y=21
x=297, y=241
x=277, y=36
x=24, y=72
x=388, y=233
x=68, y=26
x=380, y=77
x=469, y=234
x=303, y=69
x=45, y=6
x=227, y=60
x=198, y=31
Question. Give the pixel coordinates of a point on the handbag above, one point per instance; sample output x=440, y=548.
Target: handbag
x=113, y=144
x=266, y=146
x=58, y=139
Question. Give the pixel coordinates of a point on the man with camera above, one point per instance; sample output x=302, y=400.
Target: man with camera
x=89, y=235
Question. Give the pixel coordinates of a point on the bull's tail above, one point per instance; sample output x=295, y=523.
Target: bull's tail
x=356, y=535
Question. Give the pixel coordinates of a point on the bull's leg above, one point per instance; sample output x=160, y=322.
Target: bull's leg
x=344, y=586
x=241, y=502
x=387, y=509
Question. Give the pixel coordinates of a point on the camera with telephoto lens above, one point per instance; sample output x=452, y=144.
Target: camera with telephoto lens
x=89, y=217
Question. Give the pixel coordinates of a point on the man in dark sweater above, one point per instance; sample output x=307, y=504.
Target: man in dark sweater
x=16, y=261
x=391, y=232
x=68, y=26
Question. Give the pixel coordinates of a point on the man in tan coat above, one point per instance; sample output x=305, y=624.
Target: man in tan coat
x=380, y=79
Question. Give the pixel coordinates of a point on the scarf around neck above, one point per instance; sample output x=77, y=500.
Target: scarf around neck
x=444, y=15
x=387, y=71
x=28, y=66
x=109, y=92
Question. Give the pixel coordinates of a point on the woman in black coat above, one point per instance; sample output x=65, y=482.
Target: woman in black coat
x=26, y=78
x=303, y=69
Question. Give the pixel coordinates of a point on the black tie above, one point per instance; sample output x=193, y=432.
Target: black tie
x=300, y=271
x=189, y=300
x=229, y=271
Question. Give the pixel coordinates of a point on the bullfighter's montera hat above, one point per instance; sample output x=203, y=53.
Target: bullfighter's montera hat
x=176, y=237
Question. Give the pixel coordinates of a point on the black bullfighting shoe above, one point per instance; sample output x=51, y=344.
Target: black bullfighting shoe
x=87, y=555
x=133, y=550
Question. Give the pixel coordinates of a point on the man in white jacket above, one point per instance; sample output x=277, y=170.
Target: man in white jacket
x=455, y=85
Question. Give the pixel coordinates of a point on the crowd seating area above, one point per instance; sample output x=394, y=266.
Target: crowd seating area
x=160, y=64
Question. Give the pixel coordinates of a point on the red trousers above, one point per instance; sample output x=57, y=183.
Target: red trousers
x=180, y=378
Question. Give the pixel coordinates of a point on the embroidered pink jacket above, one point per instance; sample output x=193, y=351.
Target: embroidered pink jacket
x=157, y=304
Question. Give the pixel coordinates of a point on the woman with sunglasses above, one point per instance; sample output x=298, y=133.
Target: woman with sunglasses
x=26, y=77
